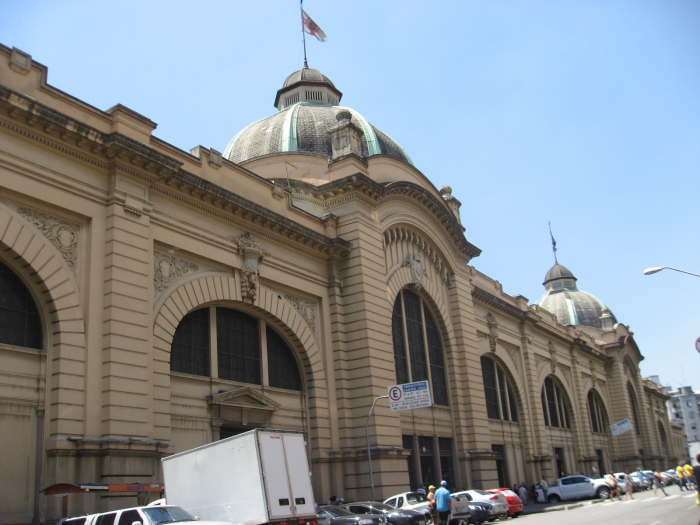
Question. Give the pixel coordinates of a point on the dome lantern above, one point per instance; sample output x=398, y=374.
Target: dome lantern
x=307, y=85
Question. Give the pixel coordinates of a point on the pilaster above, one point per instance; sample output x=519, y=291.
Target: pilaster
x=468, y=402
x=127, y=316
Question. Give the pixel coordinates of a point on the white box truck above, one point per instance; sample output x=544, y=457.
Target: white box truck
x=261, y=476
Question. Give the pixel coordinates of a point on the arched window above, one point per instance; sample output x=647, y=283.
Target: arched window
x=20, y=324
x=662, y=433
x=633, y=405
x=500, y=398
x=190, y=349
x=556, y=413
x=597, y=414
x=413, y=328
x=245, y=347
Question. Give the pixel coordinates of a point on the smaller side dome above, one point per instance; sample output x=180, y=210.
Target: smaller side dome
x=570, y=305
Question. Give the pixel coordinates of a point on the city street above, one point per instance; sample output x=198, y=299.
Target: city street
x=644, y=509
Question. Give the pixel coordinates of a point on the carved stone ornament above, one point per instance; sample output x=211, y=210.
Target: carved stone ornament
x=169, y=268
x=62, y=234
x=253, y=254
x=415, y=262
x=305, y=308
x=552, y=356
x=493, y=331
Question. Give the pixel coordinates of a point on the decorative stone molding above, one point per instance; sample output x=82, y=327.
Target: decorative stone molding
x=493, y=331
x=430, y=254
x=552, y=356
x=63, y=235
x=346, y=136
x=415, y=262
x=253, y=254
x=591, y=366
x=306, y=309
x=452, y=202
x=513, y=354
x=168, y=268
x=20, y=61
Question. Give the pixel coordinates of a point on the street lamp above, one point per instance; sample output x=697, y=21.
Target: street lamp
x=655, y=269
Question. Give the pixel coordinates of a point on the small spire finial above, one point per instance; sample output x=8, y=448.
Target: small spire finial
x=554, y=243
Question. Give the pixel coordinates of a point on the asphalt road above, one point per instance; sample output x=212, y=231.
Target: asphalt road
x=676, y=509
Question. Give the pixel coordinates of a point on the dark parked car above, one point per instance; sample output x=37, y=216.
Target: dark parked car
x=335, y=515
x=392, y=515
x=481, y=512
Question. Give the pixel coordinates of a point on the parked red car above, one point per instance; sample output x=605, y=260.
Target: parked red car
x=515, y=505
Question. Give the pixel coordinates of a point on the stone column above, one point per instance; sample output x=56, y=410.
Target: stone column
x=368, y=349
x=473, y=436
x=582, y=434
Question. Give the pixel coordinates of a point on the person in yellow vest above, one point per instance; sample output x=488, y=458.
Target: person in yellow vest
x=680, y=473
x=689, y=478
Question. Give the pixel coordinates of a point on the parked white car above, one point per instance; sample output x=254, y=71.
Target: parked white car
x=577, y=487
x=410, y=500
x=497, y=501
x=157, y=515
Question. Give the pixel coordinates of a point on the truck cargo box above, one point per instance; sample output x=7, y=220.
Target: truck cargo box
x=257, y=477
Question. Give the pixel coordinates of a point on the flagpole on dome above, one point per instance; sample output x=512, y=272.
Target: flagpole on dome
x=554, y=243
x=303, y=32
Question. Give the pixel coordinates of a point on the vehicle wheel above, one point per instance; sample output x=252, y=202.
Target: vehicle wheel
x=502, y=516
x=554, y=498
x=603, y=493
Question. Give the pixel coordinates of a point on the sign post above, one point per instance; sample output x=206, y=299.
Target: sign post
x=401, y=397
x=410, y=395
x=621, y=427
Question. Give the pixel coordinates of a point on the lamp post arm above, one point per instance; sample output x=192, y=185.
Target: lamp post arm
x=683, y=271
x=369, y=451
x=650, y=271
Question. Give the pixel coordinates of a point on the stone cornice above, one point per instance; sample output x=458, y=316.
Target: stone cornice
x=214, y=195
x=117, y=151
x=527, y=316
x=375, y=192
x=656, y=392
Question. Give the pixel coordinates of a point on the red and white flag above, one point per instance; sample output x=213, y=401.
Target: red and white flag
x=311, y=27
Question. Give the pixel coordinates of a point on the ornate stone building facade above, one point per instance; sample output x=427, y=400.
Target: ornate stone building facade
x=153, y=300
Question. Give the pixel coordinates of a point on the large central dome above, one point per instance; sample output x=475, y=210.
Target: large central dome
x=308, y=110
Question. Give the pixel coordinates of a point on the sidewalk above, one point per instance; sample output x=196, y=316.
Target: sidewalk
x=537, y=508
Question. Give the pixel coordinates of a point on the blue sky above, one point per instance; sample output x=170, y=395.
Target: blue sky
x=582, y=113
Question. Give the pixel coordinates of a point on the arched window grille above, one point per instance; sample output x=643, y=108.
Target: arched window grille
x=414, y=329
x=662, y=433
x=633, y=405
x=245, y=346
x=500, y=398
x=556, y=413
x=597, y=414
x=20, y=324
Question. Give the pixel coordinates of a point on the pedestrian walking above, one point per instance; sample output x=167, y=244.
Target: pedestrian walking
x=614, y=488
x=522, y=492
x=444, y=503
x=628, y=482
x=658, y=482
x=432, y=505
x=680, y=473
x=544, y=486
x=689, y=476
